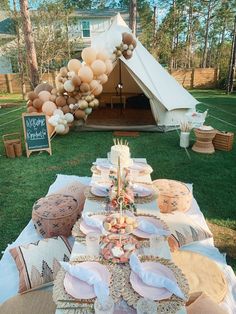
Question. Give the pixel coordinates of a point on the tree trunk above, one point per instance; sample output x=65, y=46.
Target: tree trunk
x=232, y=64
x=29, y=42
x=190, y=35
x=205, y=50
x=172, y=59
x=19, y=52
x=133, y=16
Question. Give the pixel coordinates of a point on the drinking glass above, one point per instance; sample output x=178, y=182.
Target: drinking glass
x=106, y=308
x=157, y=243
x=92, y=243
x=146, y=306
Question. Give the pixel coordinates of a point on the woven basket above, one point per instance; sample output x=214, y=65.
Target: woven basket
x=12, y=144
x=204, y=141
x=223, y=140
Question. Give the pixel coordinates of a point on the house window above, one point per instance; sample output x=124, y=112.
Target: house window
x=86, y=28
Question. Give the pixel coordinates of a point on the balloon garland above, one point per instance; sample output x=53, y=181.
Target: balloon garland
x=78, y=85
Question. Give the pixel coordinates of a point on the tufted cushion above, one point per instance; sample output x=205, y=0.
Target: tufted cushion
x=55, y=215
x=38, y=263
x=173, y=195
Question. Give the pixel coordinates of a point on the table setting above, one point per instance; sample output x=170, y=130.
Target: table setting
x=122, y=261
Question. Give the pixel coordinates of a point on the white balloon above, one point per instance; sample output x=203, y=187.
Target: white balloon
x=69, y=117
x=60, y=128
x=69, y=87
x=53, y=121
x=58, y=112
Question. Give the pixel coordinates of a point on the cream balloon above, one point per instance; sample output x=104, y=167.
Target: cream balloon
x=86, y=74
x=109, y=66
x=58, y=112
x=69, y=117
x=60, y=128
x=69, y=87
x=103, y=78
x=48, y=108
x=89, y=55
x=67, y=129
x=98, y=90
x=74, y=65
x=44, y=95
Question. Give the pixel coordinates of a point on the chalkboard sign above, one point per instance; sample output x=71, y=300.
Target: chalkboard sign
x=36, y=133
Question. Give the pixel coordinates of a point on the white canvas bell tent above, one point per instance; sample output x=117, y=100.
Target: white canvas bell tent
x=169, y=101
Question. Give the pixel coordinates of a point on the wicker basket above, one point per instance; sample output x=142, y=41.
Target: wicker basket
x=223, y=141
x=12, y=143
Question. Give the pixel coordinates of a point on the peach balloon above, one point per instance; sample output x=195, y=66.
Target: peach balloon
x=44, y=95
x=103, y=78
x=102, y=55
x=80, y=114
x=109, y=66
x=31, y=109
x=48, y=108
x=89, y=55
x=94, y=84
x=98, y=67
x=74, y=65
x=98, y=90
x=86, y=74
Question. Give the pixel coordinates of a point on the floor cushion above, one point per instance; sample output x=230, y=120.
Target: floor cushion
x=203, y=304
x=55, y=215
x=202, y=274
x=173, y=195
x=34, y=302
x=38, y=262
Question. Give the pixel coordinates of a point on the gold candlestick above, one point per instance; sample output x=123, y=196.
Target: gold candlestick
x=118, y=178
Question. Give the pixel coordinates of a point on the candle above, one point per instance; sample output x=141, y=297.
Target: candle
x=118, y=178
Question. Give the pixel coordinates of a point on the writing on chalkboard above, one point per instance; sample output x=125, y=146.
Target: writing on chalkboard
x=36, y=133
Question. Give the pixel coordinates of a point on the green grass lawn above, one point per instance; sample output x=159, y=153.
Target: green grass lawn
x=24, y=180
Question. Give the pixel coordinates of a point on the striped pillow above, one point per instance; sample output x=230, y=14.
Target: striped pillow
x=38, y=263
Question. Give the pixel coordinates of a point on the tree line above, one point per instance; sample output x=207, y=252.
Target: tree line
x=178, y=33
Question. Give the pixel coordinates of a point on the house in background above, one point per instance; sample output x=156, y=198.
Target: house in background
x=83, y=25
x=86, y=24
x=7, y=34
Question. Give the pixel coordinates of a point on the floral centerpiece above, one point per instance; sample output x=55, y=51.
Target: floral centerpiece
x=121, y=196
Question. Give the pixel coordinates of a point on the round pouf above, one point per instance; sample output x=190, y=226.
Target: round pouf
x=173, y=195
x=55, y=215
x=204, y=141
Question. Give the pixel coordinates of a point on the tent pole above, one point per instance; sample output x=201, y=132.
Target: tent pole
x=120, y=88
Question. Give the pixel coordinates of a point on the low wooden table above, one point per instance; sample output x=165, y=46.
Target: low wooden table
x=204, y=141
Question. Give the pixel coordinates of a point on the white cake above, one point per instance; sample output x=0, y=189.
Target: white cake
x=123, y=152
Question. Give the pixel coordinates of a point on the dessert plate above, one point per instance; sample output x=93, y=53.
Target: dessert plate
x=79, y=289
x=150, y=292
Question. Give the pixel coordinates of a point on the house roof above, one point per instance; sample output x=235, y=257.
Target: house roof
x=7, y=27
x=102, y=13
